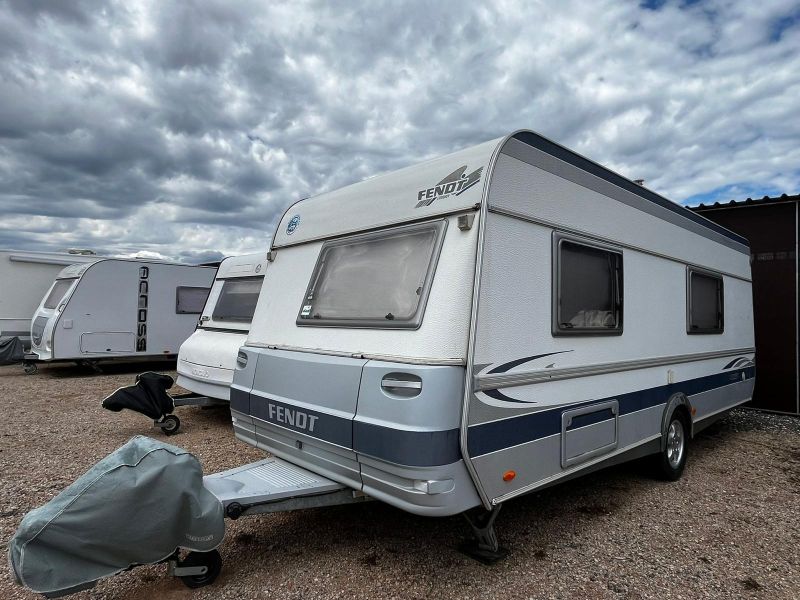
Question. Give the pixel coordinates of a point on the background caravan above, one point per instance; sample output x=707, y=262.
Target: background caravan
x=206, y=360
x=24, y=278
x=116, y=308
x=481, y=325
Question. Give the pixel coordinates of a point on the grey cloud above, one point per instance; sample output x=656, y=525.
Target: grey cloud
x=186, y=128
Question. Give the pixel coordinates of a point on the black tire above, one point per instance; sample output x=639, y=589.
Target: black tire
x=30, y=368
x=170, y=424
x=212, y=560
x=671, y=461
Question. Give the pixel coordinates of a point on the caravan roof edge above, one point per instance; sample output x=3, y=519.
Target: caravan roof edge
x=421, y=191
x=563, y=153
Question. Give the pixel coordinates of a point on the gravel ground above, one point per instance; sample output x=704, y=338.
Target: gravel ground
x=729, y=528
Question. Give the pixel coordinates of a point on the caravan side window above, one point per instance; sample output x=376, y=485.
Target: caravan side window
x=705, y=311
x=190, y=300
x=587, y=288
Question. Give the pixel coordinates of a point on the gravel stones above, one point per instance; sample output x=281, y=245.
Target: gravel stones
x=729, y=528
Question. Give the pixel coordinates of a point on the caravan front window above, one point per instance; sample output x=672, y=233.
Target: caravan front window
x=374, y=280
x=57, y=293
x=237, y=299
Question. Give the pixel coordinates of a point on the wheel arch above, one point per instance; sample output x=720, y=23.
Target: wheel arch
x=678, y=401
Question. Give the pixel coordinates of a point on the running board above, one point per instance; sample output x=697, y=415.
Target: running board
x=275, y=485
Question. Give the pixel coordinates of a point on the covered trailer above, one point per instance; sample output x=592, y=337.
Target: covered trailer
x=118, y=309
x=206, y=360
x=24, y=278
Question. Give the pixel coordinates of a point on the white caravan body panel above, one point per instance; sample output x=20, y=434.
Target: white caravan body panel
x=206, y=360
x=119, y=308
x=526, y=379
x=24, y=278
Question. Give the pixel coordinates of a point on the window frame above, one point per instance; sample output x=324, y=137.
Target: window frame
x=690, y=270
x=60, y=300
x=618, y=287
x=224, y=281
x=439, y=226
x=190, y=287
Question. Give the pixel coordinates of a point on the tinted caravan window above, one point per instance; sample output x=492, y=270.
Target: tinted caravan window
x=374, y=280
x=57, y=293
x=190, y=300
x=237, y=300
x=705, y=296
x=588, y=287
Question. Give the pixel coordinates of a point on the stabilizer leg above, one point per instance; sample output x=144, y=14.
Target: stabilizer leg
x=484, y=547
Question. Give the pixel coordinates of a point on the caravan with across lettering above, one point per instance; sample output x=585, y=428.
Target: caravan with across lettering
x=118, y=309
x=491, y=322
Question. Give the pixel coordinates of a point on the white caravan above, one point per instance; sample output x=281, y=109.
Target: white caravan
x=24, y=277
x=118, y=308
x=485, y=324
x=207, y=359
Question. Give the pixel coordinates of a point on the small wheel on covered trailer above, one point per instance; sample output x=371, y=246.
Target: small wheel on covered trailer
x=211, y=560
x=671, y=461
x=170, y=424
x=30, y=368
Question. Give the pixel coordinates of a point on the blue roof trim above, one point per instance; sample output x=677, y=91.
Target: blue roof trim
x=568, y=156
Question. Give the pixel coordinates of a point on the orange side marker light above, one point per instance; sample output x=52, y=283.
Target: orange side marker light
x=509, y=475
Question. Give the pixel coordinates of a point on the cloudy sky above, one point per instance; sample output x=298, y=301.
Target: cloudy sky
x=183, y=129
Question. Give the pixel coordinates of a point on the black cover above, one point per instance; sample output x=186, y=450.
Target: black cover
x=148, y=396
x=11, y=351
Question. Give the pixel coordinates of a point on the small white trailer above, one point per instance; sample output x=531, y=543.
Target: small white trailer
x=24, y=278
x=118, y=309
x=207, y=359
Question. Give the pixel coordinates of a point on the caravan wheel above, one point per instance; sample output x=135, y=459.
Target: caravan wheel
x=30, y=368
x=672, y=459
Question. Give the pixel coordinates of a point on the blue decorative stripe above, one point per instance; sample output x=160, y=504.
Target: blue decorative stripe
x=497, y=435
x=413, y=448
x=515, y=363
x=322, y=425
x=240, y=400
x=553, y=149
x=399, y=446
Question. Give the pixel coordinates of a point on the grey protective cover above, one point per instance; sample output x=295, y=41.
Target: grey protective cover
x=136, y=506
x=11, y=351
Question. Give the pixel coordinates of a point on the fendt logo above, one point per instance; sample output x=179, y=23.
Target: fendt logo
x=141, y=314
x=454, y=184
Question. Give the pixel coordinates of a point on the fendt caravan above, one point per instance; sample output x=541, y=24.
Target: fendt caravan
x=444, y=338
x=206, y=360
x=24, y=277
x=118, y=309
x=482, y=325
